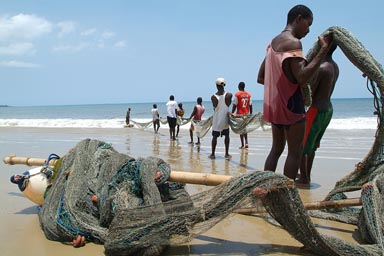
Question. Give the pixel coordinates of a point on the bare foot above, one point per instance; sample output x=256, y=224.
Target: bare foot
x=228, y=157
x=302, y=184
x=246, y=146
x=212, y=156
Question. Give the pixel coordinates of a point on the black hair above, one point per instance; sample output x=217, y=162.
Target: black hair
x=154, y=105
x=171, y=97
x=242, y=85
x=297, y=10
x=333, y=47
x=199, y=100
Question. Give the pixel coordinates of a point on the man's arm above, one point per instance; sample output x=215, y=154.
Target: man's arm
x=228, y=99
x=233, y=108
x=260, y=75
x=193, y=112
x=300, y=70
x=214, y=101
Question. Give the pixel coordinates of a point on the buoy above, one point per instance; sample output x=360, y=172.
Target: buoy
x=33, y=183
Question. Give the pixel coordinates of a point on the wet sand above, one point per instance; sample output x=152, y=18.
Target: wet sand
x=20, y=233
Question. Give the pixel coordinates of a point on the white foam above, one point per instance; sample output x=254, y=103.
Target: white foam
x=338, y=124
x=356, y=123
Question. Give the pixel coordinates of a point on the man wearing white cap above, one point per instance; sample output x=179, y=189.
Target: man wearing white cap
x=221, y=101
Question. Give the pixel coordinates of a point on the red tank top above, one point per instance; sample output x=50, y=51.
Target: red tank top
x=278, y=89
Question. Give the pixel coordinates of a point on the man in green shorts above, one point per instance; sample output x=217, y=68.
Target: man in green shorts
x=319, y=114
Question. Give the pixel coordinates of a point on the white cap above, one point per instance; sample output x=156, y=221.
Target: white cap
x=220, y=81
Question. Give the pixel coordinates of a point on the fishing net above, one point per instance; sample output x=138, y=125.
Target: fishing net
x=144, y=125
x=129, y=206
x=136, y=214
x=368, y=174
x=239, y=124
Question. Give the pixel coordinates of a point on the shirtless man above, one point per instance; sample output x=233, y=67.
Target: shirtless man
x=221, y=101
x=283, y=72
x=196, y=115
x=319, y=114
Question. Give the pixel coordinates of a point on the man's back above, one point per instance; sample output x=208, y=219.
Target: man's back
x=324, y=84
x=242, y=102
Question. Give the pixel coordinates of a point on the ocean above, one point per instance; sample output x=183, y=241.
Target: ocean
x=348, y=114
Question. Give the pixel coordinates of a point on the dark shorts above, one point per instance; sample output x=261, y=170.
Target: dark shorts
x=224, y=132
x=287, y=126
x=171, y=121
x=318, y=122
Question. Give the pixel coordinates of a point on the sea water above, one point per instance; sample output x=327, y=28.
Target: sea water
x=348, y=114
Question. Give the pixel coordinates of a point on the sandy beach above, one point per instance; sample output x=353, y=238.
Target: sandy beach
x=236, y=235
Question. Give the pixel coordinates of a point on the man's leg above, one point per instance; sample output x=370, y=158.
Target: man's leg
x=278, y=145
x=226, y=143
x=213, y=145
x=294, y=135
x=241, y=141
x=246, y=140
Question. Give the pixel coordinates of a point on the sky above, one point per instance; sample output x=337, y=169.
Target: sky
x=105, y=52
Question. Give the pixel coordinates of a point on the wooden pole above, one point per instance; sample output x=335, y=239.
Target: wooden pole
x=30, y=161
x=200, y=179
x=183, y=177
x=310, y=206
x=333, y=204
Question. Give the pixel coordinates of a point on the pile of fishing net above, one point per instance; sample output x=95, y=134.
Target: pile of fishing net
x=137, y=214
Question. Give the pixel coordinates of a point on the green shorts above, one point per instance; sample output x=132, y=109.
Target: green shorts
x=317, y=130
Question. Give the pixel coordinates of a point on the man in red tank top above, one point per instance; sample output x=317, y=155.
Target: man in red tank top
x=284, y=72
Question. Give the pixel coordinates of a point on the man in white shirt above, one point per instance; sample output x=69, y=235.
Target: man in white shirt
x=171, y=116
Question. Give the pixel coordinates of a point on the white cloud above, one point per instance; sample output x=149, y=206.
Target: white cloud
x=18, y=49
x=18, y=64
x=23, y=26
x=120, y=44
x=107, y=35
x=71, y=48
x=89, y=32
x=66, y=27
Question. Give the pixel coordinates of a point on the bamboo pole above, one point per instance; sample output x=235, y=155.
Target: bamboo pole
x=175, y=176
x=201, y=179
x=30, y=161
x=198, y=178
